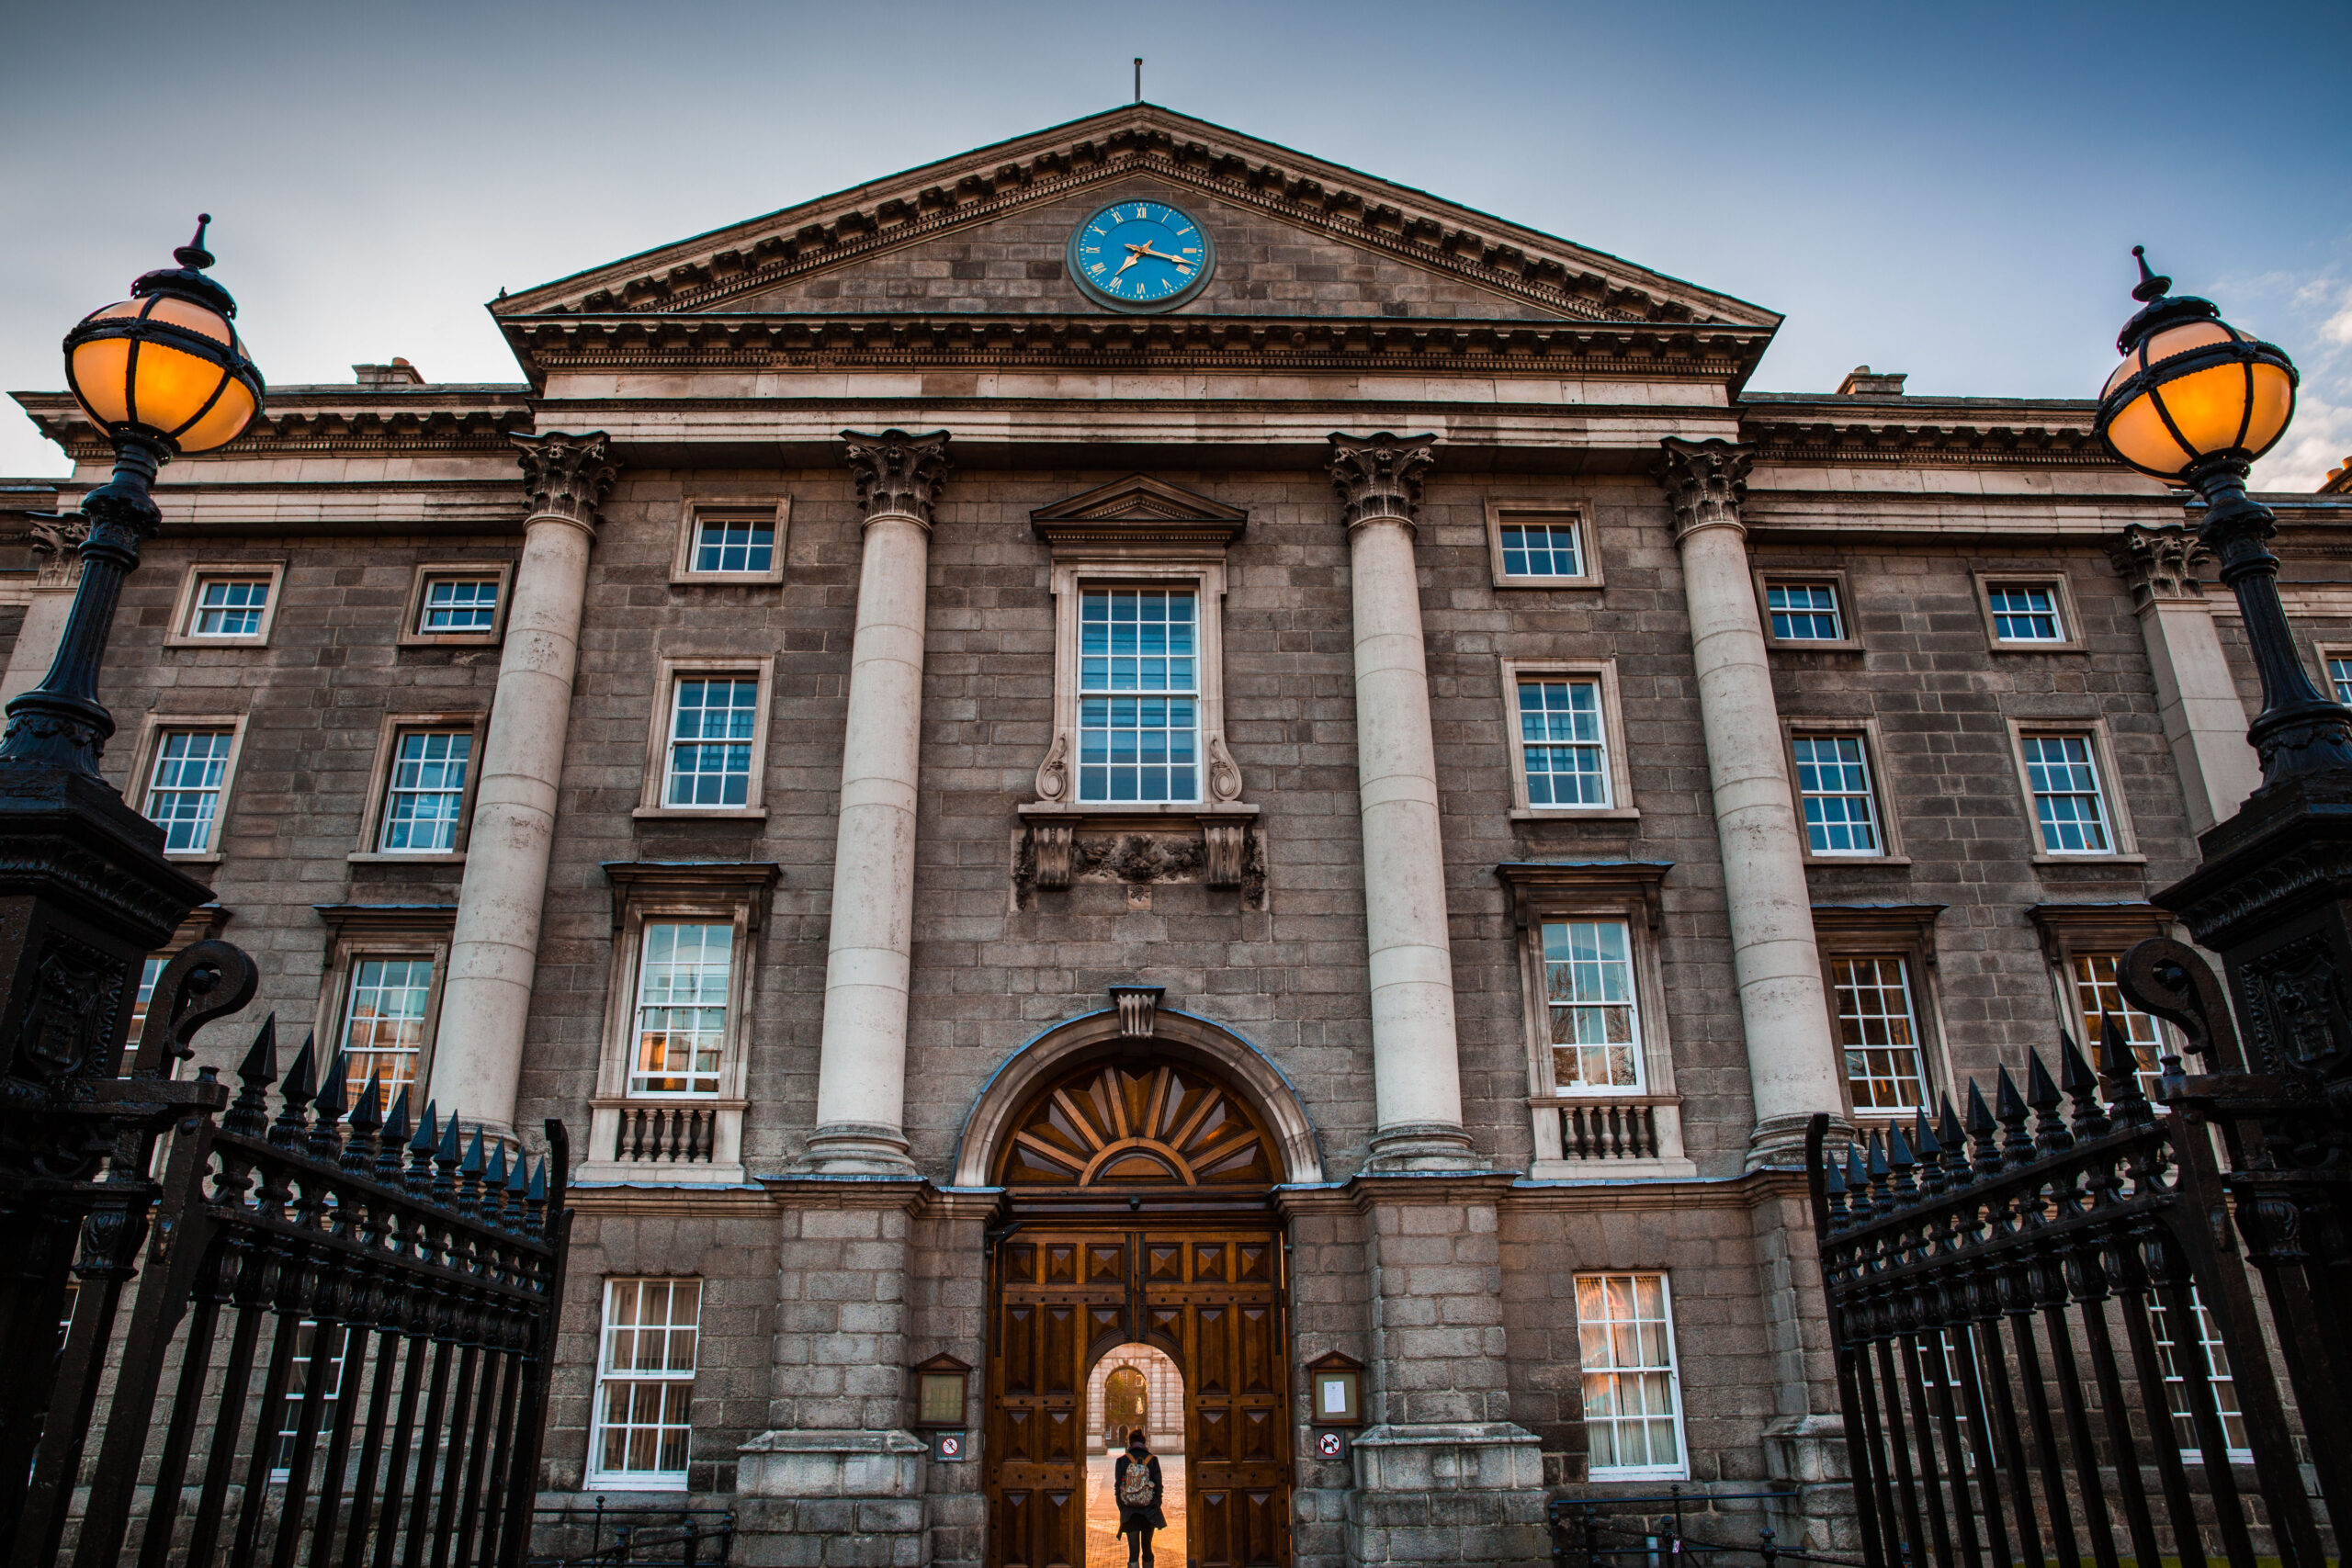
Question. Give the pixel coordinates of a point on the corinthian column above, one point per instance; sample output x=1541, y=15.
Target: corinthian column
x=862, y=1065
x=1792, y=1060
x=2196, y=694
x=478, y=1053
x=1416, y=1074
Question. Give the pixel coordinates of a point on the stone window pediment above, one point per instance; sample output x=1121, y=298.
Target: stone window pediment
x=1141, y=549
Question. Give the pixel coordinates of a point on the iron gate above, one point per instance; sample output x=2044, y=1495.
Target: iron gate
x=2047, y=1344
x=340, y=1321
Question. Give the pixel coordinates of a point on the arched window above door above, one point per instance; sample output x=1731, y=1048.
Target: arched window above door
x=1153, y=1125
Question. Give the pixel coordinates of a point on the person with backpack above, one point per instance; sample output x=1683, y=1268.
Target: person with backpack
x=1135, y=1481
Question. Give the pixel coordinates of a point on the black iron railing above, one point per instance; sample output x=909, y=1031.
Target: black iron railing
x=2047, y=1344
x=339, y=1326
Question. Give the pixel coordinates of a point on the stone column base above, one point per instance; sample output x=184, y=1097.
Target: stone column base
x=1415, y=1146
x=831, y=1500
x=1448, y=1492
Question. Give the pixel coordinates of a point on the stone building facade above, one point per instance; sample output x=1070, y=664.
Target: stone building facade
x=1576, y=771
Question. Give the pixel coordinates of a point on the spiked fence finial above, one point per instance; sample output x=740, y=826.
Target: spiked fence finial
x=249, y=1117
x=300, y=1087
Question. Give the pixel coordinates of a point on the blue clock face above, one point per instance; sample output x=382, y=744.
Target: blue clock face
x=1141, y=256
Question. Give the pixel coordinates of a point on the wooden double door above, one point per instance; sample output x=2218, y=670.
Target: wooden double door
x=1210, y=1296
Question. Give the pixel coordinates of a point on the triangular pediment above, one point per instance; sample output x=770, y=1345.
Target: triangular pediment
x=984, y=233
x=1138, y=510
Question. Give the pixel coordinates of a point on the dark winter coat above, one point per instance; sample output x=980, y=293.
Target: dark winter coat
x=1134, y=1521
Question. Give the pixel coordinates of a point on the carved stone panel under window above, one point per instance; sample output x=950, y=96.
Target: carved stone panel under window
x=1138, y=785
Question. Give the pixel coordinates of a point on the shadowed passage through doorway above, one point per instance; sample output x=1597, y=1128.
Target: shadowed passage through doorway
x=1134, y=1387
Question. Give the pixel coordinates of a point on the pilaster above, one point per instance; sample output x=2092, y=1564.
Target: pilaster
x=861, y=1074
x=493, y=951
x=1793, y=1061
x=57, y=572
x=1416, y=1074
x=2197, y=695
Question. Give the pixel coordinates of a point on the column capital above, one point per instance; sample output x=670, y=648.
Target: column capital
x=56, y=544
x=899, y=475
x=2159, y=565
x=1705, y=481
x=567, y=476
x=1379, y=476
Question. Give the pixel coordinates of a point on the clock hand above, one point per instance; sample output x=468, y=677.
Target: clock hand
x=1132, y=258
x=1180, y=262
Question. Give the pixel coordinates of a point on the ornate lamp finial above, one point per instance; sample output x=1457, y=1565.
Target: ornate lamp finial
x=193, y=255
x=2152, y=286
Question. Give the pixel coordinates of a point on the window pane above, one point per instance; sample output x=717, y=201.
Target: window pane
x=711, y=726
x=1138, y=724
x=149, y=970
x=1631, y=1391
x=229, y=606
x=2099, y=997
x=1541, y=549
x=681, y=1009
x=2217, y=1371
x=460, y=603
x=2067, y=803
x=1833, y=782
x=645, y=1380
x=383, y=1028
x=426, y=789
x=184, y=791
x=2026, y=615
x=734, y=544
x=1876, y=1029
x=298, y=1369
x=2339, y=675
x=1596, y=1023
x=1562, y=743
x=1804, y=612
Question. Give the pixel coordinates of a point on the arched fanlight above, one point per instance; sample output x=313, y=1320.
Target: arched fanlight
x=2192, y=390
x=164, y=366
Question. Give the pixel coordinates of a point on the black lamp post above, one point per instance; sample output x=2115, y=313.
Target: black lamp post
x=2194, y=404
x=161, y=374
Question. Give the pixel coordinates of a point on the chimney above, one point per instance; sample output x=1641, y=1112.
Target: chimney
x=399, y=373
x=1861, y=381
x=2338, y=480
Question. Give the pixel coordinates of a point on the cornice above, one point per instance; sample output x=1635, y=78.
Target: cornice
x=1012, y=341
x=1865, y=431
x=1130, y=141
x=299, y=421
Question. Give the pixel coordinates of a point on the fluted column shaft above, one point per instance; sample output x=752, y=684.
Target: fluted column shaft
x=494, y=953
x=1793, y=1064
x=862, y=1063
x=1416, y=1072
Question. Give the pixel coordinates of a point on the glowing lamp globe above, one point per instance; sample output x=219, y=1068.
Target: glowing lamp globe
x=2192, y=390
x=164, y=366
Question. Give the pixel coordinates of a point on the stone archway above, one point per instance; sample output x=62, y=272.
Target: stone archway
x=1138, y=1211
x=1136, y=1028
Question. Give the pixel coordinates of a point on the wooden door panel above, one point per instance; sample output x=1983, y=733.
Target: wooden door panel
x=1254, y=1350
x=1262, y=1526
x=1058, y=1356
x=1253, y=1436
x=1213, y=1328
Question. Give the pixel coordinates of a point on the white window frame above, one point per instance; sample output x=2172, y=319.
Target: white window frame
x=1865, y=732
x=413, y=633
x=596, y=1477
x=2074, y=932
x=1191, y=694
x=696, y=510
x=183, y=612
x=2124, y=845
x=2325, y=655
x=1680, y=1469
x=379, y=787
x=653, y=801
x=1840, y=588
x=1219, y=779
x=2168, y=1347
x=1548, y=891
x=733, y=894
x=358, y=933
x=1906, y=984
x=1505, y=514
x=637, y=1004
x=1845, y=932
x=1617, y=768
x=1632, y=1001
x=152, y=730
x=2062, y=599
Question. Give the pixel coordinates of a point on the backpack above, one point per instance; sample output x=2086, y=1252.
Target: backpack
x=1134, y=1491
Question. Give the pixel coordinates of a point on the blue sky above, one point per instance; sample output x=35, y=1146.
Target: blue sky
x=1948, y=191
